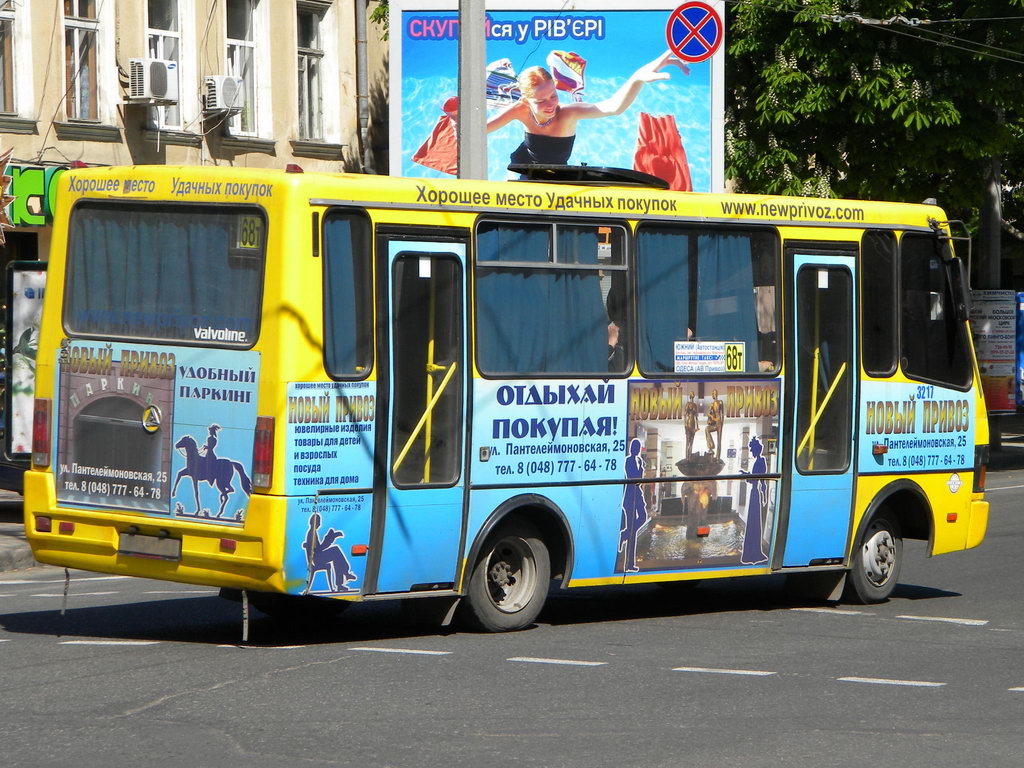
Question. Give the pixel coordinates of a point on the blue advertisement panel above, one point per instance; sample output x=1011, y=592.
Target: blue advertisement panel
x=713, y=447
x=329, y=436
x=162, y=430
x=326, y=544
x=907, y=427
x=1019, y=349
x=588, y=84
x=548, y=432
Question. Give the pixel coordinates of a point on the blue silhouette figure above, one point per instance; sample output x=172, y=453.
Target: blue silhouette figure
x=211, y=442
x=753, y=550
x=634, y=508
x=326, y=555
x=209, y=469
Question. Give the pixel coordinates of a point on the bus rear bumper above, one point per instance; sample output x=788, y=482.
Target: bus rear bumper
x=978, y=525
x=208, y=554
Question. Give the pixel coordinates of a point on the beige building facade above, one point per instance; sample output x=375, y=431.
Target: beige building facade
x=256, y=83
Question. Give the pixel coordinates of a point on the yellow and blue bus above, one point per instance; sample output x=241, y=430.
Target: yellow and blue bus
x=304, y=386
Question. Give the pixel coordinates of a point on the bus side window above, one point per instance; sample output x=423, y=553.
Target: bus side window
x=706, y=286
x=878, y=302
x=933, y=340
x=541, y=297
x=348, y=325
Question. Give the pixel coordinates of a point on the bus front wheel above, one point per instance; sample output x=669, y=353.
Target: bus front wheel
x=875, y=565
x=510, y=581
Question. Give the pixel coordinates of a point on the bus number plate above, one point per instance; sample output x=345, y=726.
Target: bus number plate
x=153, y=547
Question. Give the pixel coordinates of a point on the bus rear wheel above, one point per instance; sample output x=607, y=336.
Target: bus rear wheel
x=509, y=583
x=875, y=567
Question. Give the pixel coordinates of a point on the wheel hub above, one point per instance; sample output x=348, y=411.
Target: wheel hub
x=510, y=575
x=879, y=557
x=501, y=575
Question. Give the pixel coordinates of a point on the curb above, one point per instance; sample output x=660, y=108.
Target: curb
x=16, y=556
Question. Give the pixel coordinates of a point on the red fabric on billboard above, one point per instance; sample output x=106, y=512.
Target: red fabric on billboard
x=659, y=151
x=441, y=149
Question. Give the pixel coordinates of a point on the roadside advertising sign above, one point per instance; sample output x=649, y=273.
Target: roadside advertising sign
x=610, y=84
x=994, y=328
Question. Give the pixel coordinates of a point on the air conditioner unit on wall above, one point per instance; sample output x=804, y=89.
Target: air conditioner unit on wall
x=152, y=81
x=223, y=93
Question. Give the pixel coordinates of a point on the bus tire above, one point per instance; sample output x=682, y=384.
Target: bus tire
x=875, y=565
x=509, y=583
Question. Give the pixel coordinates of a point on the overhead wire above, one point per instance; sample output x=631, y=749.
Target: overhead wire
x=947, y=41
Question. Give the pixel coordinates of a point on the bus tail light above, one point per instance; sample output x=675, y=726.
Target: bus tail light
x=980, y=464
x=263, y=453
x=41, y=433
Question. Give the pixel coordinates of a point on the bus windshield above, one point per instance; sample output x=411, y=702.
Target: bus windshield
x=165, y=272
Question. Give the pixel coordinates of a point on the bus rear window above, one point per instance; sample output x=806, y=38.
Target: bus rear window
x=165, y=272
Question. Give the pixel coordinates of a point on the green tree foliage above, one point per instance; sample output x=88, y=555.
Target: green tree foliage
x=821, y=103
x=379, y=16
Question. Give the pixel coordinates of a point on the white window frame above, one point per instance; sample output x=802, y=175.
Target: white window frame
x=107, y=88
x=256, y=83
x=8, y=16
x=82, y=28
x=166, y=117
x=310, y=94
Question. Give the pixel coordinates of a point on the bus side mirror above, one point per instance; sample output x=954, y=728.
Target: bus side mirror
x=958, y=283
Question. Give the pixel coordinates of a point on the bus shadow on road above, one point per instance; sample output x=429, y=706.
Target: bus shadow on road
x=918, y=592
x=682, y=599
x=214, y=621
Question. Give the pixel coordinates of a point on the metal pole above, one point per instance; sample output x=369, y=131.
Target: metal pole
x=471, y=127
x=363, y=89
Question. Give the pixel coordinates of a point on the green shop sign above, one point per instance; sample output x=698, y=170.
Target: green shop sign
x=34, y=189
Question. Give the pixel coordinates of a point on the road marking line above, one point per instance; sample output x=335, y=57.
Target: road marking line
x=179, y=592
x=835, y=611
x=1019, y=689
x=719, y=671
x=565, y=662
x=944, y=619
x=73, y=594
x=886, y=681
x=109, y=642
x=1003, y=488
x=61, y=581
x=411, y=651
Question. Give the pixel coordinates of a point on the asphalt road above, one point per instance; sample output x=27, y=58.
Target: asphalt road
x=730, y=673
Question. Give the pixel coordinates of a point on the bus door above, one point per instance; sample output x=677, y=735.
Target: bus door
x=822, y=372
x=421, y=440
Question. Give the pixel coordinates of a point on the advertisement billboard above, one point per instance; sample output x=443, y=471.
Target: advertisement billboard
x=627, y=85
x=994, y=327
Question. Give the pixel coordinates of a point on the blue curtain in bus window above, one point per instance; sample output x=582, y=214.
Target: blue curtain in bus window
x=726, y=310
x=540, y=320
x=160, y=274
x=663, y=274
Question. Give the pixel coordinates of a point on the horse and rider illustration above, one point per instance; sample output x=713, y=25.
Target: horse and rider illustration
x=204, y=466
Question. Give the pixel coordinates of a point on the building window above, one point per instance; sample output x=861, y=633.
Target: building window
x=164, y=43
x=242, y=61
x=80, y=32
x=311, y=55
x=7, y=59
